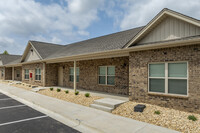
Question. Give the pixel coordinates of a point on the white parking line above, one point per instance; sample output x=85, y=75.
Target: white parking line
x=12, y=122
x=5, y=99
x=8, y=107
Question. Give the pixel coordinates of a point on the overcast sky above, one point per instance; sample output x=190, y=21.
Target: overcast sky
x=67, y=21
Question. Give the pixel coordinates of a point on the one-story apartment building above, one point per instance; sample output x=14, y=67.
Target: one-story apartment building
x=158, y=63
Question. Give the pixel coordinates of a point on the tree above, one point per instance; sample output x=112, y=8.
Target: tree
x=5, y=52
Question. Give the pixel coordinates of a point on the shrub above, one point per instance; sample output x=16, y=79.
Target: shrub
x=77, y=92
x=58, y=89
x=66, y=91
x=87, y=94
x=51, y=89
x=157, y=112
x=192, y=117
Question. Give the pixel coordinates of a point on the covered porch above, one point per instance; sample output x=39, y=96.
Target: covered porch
x=13, y=73
x=106, y=75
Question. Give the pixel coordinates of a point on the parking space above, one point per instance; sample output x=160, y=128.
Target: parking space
x=16, y=117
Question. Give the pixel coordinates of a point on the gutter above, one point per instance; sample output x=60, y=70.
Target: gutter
x=131, y=49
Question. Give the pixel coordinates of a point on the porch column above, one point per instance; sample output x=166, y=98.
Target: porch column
x=75, y=76
x=13, y=73
x=44, y=74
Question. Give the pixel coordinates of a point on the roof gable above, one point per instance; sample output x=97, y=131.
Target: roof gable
x=30, y=53
x=46, y=49
x=169, y=29
x=167, y=25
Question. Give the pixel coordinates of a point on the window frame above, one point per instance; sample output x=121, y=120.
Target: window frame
x=17, y=73
x=166, y=78
x=73, y=74
x=106, y=75
x=39, y=75
x=2, y=72
x=26, y=74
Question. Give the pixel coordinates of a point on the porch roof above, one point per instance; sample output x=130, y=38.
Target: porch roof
x=10, y=59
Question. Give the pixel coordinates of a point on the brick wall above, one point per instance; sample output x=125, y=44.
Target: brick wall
x=138, y=76
x=1, y=77
x=88, y=77
x=51, y=74
x=8, y=73
x=32, y=68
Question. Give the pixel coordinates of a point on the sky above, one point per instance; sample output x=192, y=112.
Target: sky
x=68, y=21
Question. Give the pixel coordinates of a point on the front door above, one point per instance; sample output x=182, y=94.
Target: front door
x=60, y=76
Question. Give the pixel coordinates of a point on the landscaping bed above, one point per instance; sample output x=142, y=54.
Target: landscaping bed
x=23, y=86
x=165, y=117
x=80, y=98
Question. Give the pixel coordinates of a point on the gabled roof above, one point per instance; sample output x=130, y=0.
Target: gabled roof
x=157, y=19
x=100, y=44
x=43, y=49
x=7, y=59
x=46, y=49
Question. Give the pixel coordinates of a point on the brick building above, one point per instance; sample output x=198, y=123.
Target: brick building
x=158, y=63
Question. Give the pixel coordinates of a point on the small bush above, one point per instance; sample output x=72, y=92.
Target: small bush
x=192, y=117
x=66, y=91
x=51, y=89
x=58, y=89
x=87, y=94
x=157, y=112
x=77, y=92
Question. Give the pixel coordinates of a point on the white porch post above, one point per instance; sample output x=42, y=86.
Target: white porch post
x=44, y=74
x=13, y=73
x=75, y=76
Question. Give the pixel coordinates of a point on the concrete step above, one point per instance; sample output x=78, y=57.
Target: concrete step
x=108, y=102
x=100, y=107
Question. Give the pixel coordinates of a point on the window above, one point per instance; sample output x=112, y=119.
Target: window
x=107, y=75
x=168, y=78
x=2, y=72
x=26, y=73
x=71, y=74
x=38, y=74
x=17, y=73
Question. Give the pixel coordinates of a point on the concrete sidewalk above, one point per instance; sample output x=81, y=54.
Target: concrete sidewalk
x=79, y=117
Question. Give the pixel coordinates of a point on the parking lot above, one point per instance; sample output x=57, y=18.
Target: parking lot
x=16, y=117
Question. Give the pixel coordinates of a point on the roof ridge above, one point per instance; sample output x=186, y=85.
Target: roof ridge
x=46, y=43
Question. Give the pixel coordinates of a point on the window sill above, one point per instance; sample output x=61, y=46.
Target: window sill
x=106, y=85
x=169, y=95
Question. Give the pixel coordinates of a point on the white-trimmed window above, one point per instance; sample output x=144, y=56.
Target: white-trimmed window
x=107, y=75
x=71, y=74
x=26, y=73
x=168, y=78
x=2, y=72
x=17, y=73
x=38, y=74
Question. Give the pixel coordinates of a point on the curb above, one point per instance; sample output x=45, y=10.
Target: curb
x=67, y=121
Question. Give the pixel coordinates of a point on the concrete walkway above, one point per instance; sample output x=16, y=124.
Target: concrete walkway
x=79, y=117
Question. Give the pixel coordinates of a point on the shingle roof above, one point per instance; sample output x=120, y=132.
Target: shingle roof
x=99, y=44
x=7, y=59
x=46, y=49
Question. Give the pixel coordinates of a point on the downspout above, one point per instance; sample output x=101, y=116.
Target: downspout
x=74, y=75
